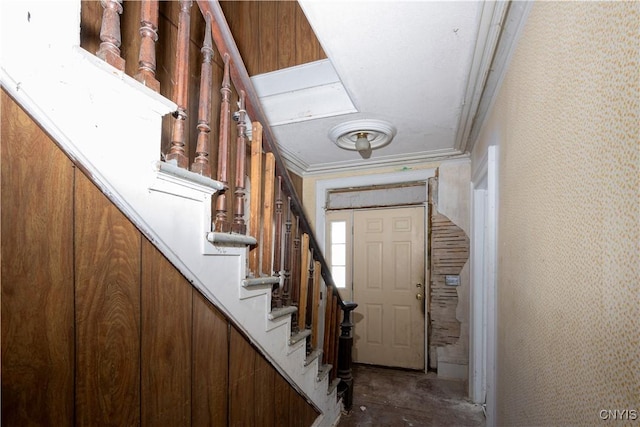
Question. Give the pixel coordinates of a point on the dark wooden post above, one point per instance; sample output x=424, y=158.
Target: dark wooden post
x=295, y=275
x=286, y=284
x=239, y=225
x=223, y=149
x=344, y=354
x=277, y=246
x=201, y=163
x=148, y=37
x=181, y=88
x=308, y=321
x=110, y=34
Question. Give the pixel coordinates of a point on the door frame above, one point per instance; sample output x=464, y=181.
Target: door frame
x=483, y=298
x=323, y=186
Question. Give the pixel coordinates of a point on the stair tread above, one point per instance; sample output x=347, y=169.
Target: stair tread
x=260, y=281
x=312, y=356
x=333, y=385
x=282, y=311
x=299, y=336
x=233, y=239
x=324, y=370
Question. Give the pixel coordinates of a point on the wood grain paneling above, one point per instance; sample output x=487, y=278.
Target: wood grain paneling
x=281, y=393
x=210, y=378
x=37, y=274
x=271, y=35
x=268, y=35
x=241, y=375
x=286, y=33
x=265, y=376
x=98, y=328
x=107, y=272
x=166, y=341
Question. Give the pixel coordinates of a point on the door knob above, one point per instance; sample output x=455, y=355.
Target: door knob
x=419, y=297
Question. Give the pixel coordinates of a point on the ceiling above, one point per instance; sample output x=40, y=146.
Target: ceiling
x=421, y=66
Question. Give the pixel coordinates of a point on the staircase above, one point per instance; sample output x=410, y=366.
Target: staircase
x=110, y=125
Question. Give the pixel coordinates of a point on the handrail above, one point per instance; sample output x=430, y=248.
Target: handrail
x=226, y=45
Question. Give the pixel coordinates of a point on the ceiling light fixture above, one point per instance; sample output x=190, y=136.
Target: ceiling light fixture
x=362, y=136
x=362, y=142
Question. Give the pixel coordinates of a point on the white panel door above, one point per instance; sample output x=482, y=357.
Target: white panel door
x=388, y=266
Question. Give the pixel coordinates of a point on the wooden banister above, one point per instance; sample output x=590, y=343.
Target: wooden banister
x=285, y=246
x=310, y=248
x=226, y=45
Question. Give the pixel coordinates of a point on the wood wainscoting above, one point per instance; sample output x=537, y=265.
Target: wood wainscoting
x=98, y=328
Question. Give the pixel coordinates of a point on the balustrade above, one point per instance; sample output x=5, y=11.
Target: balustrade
x=285, y=251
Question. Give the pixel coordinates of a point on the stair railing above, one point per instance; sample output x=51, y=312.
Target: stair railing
x=284, y=252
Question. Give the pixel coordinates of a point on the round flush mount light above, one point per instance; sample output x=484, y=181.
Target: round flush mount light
x=362, y=135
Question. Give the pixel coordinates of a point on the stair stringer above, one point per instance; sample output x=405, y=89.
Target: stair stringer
x=110, y=126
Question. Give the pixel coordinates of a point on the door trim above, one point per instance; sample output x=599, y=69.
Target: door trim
x=483, y=300
x=324, y=185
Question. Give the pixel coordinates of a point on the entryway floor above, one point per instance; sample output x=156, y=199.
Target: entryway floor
x=393, y=397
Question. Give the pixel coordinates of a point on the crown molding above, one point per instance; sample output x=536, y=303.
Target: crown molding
x=511, y=29
x=295, y=164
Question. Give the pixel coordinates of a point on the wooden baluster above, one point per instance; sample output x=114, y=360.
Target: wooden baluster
x=336, y=336
x=201, y=162
x=286, y=284
x=315, y=308
x=109, y=50
x=241, y=154
x=267, y=223
x=181, y=88
x=148, y=37
x=255, y=198
x=223, y=150
x=345, y=361
x=277, y=246
x=308, y=302
x=327, y=325
x=295, y=274
x=331, y=300
x=304, y=282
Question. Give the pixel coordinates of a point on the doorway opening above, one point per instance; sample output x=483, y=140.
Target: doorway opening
x=375, y=245
x=323, y=189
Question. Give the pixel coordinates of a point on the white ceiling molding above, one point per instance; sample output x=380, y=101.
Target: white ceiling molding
x=408, y=160
x=493, y=14
x=514, y=22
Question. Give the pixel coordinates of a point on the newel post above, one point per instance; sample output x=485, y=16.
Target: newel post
x=344, y=355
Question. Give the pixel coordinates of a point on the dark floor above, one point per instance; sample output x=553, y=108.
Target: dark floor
x=390, y=397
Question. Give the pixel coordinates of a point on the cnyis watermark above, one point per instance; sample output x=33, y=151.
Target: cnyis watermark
x=618, y=414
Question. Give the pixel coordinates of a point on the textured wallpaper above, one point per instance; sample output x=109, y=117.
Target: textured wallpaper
x=568, y=237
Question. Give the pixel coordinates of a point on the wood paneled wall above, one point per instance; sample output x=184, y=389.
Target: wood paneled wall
x=271, y=35
x=98, y=328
